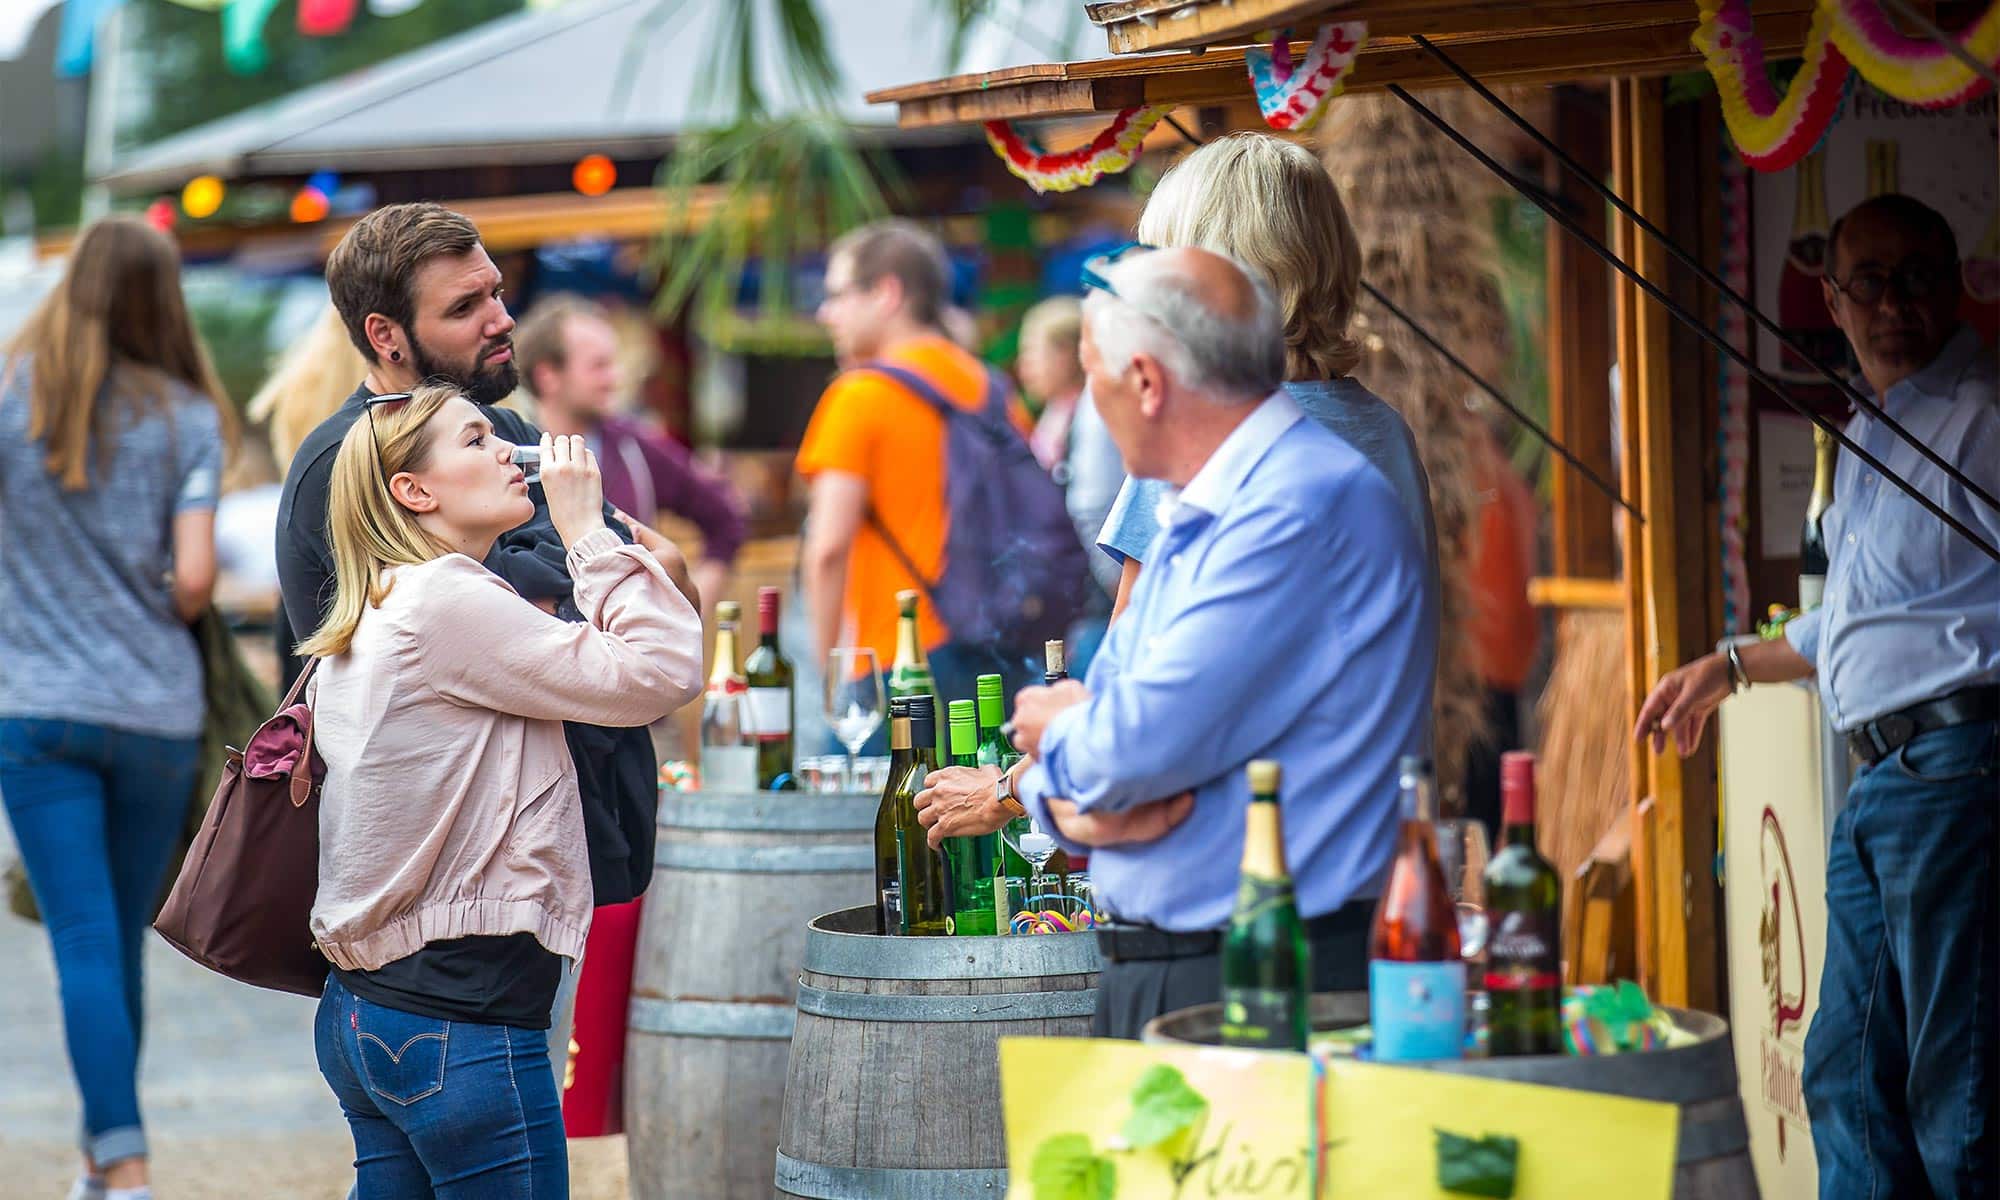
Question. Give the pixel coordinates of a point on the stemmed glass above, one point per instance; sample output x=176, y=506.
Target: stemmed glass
x=1463, y=854
x=1038, y=847
x=853, y=696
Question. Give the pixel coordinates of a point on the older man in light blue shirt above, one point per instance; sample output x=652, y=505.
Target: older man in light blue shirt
x=1899, y=1074
x=1278, y=619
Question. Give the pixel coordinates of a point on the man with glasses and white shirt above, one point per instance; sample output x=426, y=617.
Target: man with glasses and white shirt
x=1899, y=1075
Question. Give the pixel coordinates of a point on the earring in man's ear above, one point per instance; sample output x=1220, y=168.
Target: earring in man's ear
x=395, y=356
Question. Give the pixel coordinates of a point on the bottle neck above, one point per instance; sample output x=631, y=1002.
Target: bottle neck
x=923, y=738
x=1264, y=841
x=1518, y=833
x=899, y=736
x=909, y=647
x=992, y=714
x=1822, y=488
x=724, y=671
x=1419, y=801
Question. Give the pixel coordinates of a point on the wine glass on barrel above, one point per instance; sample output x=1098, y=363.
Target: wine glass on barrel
x=853, y=700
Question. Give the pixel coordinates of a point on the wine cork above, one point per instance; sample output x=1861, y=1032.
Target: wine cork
x=1264, y=774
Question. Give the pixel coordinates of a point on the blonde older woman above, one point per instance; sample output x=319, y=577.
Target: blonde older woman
x=1270, y=204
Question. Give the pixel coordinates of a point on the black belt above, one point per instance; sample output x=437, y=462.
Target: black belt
x=1876, y=740
x=1120, y=941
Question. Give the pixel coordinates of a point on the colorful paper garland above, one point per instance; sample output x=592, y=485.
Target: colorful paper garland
x=1771, y=132
x=1914, y=70
x=1294, y=98
x=1113, y=150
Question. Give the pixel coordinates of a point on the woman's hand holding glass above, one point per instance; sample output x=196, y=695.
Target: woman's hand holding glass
x=573, y=486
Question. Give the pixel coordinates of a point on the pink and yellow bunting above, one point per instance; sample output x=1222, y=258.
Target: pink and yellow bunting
x=1915, y=70
x=1113, y=150
x=1771, y=132
x=1293, y=96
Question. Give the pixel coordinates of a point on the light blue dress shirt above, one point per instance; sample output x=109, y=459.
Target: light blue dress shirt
x=1276, y=618
x=1912, y=609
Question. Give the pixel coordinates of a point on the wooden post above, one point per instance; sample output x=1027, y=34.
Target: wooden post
x=1579, y=345
x=1668, y=562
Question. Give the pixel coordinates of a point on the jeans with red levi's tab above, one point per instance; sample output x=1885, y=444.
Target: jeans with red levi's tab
x=454, y=1110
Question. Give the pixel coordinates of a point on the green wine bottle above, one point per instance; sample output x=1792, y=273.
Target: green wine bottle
x=996, y=751
x=1266, y=965
x=923, y=885
x=888, y=886
x=976, y=866
x=910, y=674
x=1524, y=912
x=769, y=674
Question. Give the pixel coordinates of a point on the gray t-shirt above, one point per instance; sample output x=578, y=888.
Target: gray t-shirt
x=88, y=630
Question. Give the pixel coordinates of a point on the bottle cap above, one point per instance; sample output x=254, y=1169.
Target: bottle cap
x=923, y=706
x=767, y=609
x=1264, y=775
x=1517, y=787
x=989, y=685
x=964, y=727
x=906, y=602
x=1054, y=656
x=728, y=610
x=899, y=706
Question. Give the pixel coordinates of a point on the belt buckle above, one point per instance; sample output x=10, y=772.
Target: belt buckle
x=1892, y=731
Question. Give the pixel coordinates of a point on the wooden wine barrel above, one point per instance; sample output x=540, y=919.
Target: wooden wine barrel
x=1714, y=1159
x=736, y=877
x=894, y=1086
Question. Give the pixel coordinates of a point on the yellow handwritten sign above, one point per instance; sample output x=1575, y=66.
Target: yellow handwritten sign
x=1106, y=1120
x=1382, y=1123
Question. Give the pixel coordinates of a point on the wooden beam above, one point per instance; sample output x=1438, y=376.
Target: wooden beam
x=1578, y=343
x=1148, y=26
x=1517, y=56
x=1564, y=592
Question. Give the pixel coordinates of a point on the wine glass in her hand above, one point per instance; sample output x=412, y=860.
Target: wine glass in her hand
x=853, y=699
x=1462, y=855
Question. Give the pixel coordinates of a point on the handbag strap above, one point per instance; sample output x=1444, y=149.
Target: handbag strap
x=301, y=783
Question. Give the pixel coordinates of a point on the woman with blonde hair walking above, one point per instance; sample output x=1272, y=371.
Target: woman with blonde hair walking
x=112, y=429
x=453, y=874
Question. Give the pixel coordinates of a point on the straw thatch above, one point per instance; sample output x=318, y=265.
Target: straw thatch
x=1586, y=759
x=1423, y=210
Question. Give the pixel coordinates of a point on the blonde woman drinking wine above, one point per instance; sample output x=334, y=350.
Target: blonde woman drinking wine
x=453, y=876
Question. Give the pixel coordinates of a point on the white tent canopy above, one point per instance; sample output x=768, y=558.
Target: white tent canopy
x=609, y=76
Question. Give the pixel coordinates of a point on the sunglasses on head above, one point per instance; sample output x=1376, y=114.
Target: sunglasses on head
x=1094, y=268
x=369, y=406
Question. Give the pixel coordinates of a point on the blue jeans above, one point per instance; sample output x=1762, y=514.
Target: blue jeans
x=1899, y=1075
x=98, y=813
x=445, y=1109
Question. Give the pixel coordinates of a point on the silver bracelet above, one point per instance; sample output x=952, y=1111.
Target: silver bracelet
x=1739, y=678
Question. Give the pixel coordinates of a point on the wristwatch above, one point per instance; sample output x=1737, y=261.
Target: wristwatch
x=1003, y=791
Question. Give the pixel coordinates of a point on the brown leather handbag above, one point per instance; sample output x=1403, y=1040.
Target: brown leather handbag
x=242, y=905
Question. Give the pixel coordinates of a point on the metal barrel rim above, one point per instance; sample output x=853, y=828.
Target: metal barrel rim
x=844, y=944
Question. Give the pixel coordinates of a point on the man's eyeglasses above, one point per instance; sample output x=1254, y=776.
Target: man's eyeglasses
x=369, y=406
x=1914, y=279
x=1094, y=268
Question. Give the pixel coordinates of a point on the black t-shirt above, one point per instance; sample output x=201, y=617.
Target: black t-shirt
x=509, y=980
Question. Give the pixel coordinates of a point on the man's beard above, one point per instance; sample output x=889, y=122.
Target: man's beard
x=481, y=383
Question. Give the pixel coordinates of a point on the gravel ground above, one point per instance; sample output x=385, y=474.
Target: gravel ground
x=234, y=1105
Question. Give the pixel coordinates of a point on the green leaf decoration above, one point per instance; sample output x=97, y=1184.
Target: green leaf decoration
x=1162, y=1105
x=1468, y=1166
x=1066, y=1168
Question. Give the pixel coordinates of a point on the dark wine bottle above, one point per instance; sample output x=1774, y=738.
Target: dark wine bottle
x=888, y=880
x=769, y=674
x=1524, y=911
x=1416, y=979
x=1266, y=964
x=923, y=886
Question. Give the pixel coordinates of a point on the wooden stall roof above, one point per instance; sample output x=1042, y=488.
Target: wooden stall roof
x=1525, y=48
x=1140, y=26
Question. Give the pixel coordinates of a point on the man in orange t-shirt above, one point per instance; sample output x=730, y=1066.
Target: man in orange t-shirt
x=873, y=445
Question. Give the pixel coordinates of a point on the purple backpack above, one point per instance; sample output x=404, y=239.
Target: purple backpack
x=1014, y=573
